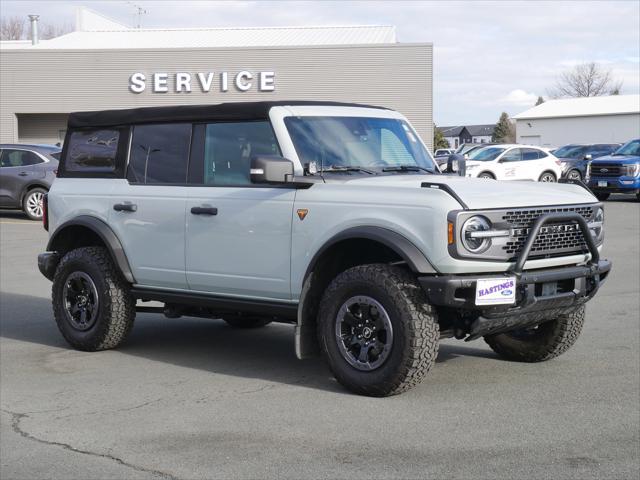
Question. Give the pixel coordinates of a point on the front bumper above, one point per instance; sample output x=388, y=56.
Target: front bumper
x=622, y=184
x=541, y=295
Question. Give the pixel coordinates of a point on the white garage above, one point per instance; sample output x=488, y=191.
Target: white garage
x=611, y=119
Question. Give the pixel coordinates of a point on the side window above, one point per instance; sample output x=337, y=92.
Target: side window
x=542, y=154
x=530, y=154
x=228, y=148
x=19, y=158
x=159, y=153
x=513, y=155
x=92, y=151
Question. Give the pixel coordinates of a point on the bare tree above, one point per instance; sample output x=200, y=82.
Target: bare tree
x=12, y=28
x=50, y=30
x=586, y=80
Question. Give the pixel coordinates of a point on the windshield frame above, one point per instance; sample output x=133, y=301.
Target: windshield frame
x=419, y=156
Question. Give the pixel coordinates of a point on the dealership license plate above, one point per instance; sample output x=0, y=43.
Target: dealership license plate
x=496, y=291
x=602, y=183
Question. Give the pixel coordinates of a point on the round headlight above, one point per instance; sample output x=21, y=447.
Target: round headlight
x=473, y=243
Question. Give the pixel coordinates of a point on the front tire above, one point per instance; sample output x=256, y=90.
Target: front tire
x=92, y=304
x=548, y=177
x=540, y=343
x=574, y=175
x=377, y=331
x=487, y=176
x=32, y=203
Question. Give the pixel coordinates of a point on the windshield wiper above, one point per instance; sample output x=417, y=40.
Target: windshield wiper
x=341, y=168
x=407, y=168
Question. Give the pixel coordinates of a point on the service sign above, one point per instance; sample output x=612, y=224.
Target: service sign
x=496, y=291
x=205, y=82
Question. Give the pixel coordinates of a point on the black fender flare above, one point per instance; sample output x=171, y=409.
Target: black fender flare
x=415, y=259
x=106, y=234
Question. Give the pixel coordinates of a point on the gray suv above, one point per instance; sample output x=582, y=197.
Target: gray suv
x=26, y=175
x=331, y=217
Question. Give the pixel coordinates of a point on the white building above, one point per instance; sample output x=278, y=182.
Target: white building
x=611, y=119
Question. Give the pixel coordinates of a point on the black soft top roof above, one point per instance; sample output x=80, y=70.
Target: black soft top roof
x=189, y=113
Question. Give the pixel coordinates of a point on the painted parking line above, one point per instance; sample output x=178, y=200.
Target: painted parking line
x=21, y=223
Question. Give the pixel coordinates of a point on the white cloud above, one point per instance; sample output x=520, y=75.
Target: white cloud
x=519, y=98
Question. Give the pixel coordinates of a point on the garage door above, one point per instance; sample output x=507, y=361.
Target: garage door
x=531, y=140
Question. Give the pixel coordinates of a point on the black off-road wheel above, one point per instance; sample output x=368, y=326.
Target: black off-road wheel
x=377, y=331
x=92, y=304
x=602, y=196
x=540, y=343
x=247, y=322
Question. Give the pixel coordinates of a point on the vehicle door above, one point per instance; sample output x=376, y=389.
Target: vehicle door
x=509, y=165
x=16, y=172
x=148, y=207
x=238, y=234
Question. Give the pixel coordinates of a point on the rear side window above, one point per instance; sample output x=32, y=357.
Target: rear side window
x=92, y=151
x=532, y=154
x=159, y=153
x=19, y=158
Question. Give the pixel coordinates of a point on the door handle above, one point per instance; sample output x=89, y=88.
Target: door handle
x=125, y=207
x=23, y=174
x=204, y=210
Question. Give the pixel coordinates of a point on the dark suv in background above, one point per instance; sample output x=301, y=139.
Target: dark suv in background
x=575, y=157
x=26, y=174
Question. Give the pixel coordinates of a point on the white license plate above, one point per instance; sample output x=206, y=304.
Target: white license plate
x=602, y=183
x=496, y=291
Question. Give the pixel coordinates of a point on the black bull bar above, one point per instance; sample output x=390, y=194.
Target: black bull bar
x=541, y=294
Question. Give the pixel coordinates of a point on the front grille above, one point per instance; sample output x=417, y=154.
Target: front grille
x=607, y=170
x=553, y=239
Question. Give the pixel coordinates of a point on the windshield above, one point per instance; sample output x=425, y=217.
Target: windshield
x=570, y=151
x=357, y=142
x=486, y=154
x=632, y=148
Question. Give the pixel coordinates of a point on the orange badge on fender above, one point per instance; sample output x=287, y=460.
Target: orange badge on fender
x=302, y=213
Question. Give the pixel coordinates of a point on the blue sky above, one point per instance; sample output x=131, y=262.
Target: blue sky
x=489, y=57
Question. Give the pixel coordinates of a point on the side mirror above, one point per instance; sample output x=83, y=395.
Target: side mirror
x=271, y=169
x=452, y=162
x=588, y=157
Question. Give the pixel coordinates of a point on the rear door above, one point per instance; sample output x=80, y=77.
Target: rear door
x=238, y=234
x=16, y=172
x=148, y=207
x=534, y=162
x=510, y=165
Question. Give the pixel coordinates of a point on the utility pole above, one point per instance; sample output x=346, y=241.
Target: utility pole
x=140, y=11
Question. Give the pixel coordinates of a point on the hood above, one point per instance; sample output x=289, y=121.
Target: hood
x=479, y=193
x=617, y=159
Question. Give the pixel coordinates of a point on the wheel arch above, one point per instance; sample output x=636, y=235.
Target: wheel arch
x=351, y=247
x=487, y=172
x=86, y=231
x=30, y=186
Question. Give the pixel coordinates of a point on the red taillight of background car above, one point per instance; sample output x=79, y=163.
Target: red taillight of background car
x=45, y=212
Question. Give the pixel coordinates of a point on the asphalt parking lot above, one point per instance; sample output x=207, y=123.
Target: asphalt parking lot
x=192, y=398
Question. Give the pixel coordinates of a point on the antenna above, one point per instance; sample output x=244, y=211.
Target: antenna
x=139, y=12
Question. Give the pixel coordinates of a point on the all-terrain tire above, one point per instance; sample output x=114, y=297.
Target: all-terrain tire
x=602, y=196
x=545, y=342
x=115, y=307
x=247, y=322
x=414, y=323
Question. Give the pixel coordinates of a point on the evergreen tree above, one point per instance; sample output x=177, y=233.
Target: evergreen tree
x=438, y=139
x=539, y=101
x=504, y=131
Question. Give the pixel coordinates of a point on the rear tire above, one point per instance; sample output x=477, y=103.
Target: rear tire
x=92, y=304
x=602, y=196
x=247, y=322
x=548, y=177
x=32, y=203
x=541, y=343
x=377, y=331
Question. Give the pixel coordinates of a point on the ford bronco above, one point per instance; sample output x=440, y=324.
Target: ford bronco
x=331, y=217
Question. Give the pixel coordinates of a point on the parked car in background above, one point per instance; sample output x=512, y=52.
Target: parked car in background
x=443, y=151
x=26, y=174
x=464, y=149
x=513, y=162
x=468, y=147
x=575, y=157
x=616, y=173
